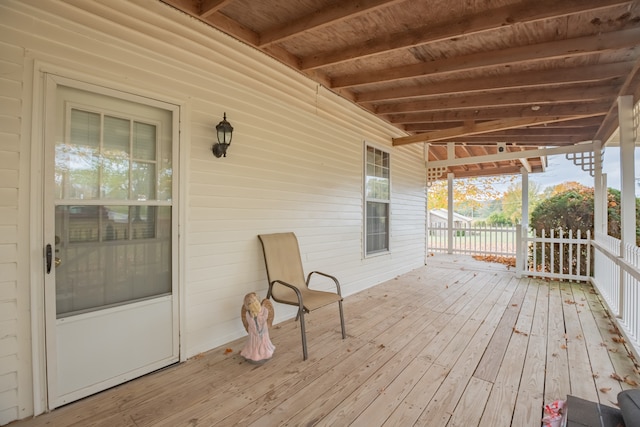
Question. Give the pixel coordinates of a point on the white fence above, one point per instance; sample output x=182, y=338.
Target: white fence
x=557, y=254
x=499, y=241
x=617, y=279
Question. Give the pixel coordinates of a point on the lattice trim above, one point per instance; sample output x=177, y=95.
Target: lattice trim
x=434, y=173
x=586, y=161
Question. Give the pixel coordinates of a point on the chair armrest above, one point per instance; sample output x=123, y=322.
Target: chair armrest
x=325, y=275
x=288, y=285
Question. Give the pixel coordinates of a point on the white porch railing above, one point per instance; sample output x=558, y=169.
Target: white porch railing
x=557, y=254
x=617, y=278
x=499, y=241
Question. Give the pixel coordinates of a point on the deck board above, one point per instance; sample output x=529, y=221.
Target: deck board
x=456, y=343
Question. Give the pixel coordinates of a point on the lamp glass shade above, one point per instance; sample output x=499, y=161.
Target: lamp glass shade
x=225, y=131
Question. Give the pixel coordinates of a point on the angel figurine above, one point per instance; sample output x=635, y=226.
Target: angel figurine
x=257, y=319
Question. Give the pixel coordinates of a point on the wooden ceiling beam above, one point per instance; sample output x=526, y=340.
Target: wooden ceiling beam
x=336, y=12
x=528, y=79
x=572, y=111
x=519, y=140
x=531, y=97
x=209, y=7
x=479, y=128
x=500, y=170
x=561, y=49
x=489, y=20
x=579, y=123
x=534, y=133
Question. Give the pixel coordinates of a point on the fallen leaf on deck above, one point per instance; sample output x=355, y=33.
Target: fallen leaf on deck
x=619, y=340
x=631, y=382
x=605, y=389
x=228, y=350
x=616, y=377
x=508, y=261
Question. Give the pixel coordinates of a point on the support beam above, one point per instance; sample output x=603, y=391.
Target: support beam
x=527, y=79
x=515, y=14
x=332, y=14
x=573, y=111
x=514, y=155
x=562, y=49
x=475, y=129
x=209, y=7
x=523, y=97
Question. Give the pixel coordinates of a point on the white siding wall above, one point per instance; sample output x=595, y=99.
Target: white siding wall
x=11, y=72
x=295, y=164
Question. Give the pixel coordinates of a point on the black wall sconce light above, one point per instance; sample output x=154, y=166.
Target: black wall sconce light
x=224, y=132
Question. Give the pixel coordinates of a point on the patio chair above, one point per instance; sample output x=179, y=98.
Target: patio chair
x=287, y=284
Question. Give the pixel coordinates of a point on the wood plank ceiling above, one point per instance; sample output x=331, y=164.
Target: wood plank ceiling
x=481, y=73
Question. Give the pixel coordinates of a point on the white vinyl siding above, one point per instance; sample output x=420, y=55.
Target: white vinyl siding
x=295, y=164
x=12, y=228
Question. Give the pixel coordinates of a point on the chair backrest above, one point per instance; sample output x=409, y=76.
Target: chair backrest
x=282, y=258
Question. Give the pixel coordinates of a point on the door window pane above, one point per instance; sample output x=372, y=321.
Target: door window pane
x=113, y=158
x=108, y=257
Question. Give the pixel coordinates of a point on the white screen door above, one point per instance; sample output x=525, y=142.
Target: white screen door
x=109, y=226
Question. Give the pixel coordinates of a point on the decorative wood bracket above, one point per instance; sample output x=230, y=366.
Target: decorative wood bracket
x=585, y=160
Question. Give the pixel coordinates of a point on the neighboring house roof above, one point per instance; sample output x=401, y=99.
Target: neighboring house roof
x=444, y=214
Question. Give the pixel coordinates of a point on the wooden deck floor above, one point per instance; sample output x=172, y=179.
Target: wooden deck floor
x=456, y=343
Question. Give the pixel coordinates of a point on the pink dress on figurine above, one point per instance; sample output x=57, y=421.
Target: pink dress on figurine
x=258, y=348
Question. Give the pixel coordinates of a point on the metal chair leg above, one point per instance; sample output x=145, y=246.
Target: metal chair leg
x=344, y=334
x=304, y=335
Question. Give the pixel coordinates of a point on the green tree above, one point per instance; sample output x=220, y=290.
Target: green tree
x=472, y=192
x=572, y=209
x=498, y=218
x=512, y=200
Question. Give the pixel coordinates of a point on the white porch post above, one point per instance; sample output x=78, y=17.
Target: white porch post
x=449, y=213
x=627, y=184
x=451, y=155
x=627, y=179
x=523, y=229
x=525, y=198
x=599, y=192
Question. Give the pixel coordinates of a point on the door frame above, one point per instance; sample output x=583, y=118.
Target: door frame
x=45, y=75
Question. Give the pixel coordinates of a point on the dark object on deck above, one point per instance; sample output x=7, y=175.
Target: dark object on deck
x=583, y=413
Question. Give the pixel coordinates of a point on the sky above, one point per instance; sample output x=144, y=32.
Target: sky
x=560, y=170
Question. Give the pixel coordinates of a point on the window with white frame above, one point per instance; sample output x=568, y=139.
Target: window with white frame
x=377, y=195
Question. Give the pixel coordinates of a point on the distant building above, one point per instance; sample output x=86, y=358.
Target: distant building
x=438, y=217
